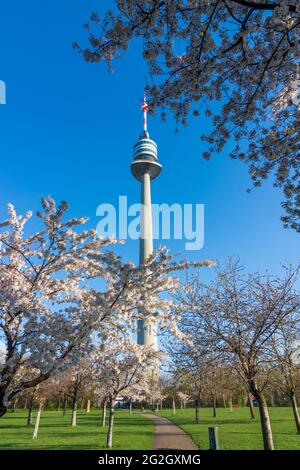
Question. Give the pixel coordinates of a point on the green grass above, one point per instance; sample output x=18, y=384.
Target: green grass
x=130, y=431
x=236, y=430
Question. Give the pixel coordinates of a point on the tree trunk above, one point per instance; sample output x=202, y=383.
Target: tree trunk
x=296, y=412
x=272, y=403
x=224, y=401
x=109, y=439
x=37, y=421
x=25, y=403
x=88, y=406
x=74, y=413
x=65, y=405
x=174, y=407
x=161, y=404
x=197, y=411
x=230, y=405
x=58, y=404
x=30, y=410
x=130, y=407
x=3, y=410
x=265, y=421
x=181, y=405
x=214, y=406
x=104, y=413
x=15, y=404
x=251, y=408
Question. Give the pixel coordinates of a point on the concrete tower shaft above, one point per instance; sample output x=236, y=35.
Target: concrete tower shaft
x=145, y=167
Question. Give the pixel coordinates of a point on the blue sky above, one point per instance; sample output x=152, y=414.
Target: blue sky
x=68, y=129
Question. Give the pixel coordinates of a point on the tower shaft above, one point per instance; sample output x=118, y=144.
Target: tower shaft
x=147, y=330
x=146, y=238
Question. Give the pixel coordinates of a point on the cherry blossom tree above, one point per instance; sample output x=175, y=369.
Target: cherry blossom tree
x=48, y=309
x=184, y=398
x=156, y=390
x=78, y=380
x=46, y=316
x=239, y=54
x=122, y=366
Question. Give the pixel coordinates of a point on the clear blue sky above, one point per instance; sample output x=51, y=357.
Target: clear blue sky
x=68, y=129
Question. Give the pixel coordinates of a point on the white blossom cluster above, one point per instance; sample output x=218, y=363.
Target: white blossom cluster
x=50, y=315
x=233, y=60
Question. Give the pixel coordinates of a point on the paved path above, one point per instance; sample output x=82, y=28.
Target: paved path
x=169, y=436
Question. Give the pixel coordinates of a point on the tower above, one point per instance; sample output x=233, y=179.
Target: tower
x=145, y=167
x=296, y=348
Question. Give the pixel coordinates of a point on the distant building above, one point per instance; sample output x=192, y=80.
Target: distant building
x=296, y=349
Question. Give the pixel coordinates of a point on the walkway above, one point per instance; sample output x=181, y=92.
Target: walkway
x=169, y=436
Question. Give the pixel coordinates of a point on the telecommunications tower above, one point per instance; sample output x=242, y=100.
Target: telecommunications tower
x=145, y=167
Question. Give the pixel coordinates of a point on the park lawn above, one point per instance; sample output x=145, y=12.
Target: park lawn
x=236, y=430
x=130, y=431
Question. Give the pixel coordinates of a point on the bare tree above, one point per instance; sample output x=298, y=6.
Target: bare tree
x=238, y=315
x=286, y=376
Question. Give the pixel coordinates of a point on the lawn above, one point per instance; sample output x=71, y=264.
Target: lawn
x=130, y=431
x=236, y=430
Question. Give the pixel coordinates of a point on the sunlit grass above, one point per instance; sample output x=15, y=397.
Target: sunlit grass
x=130, y=432
x=236, y=430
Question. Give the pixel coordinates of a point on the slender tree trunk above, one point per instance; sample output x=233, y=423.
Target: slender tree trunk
x=197, y=411
x=65, y=405
x=58, y=404
x=174, y=406
x=157, y=407
x=37, y=421
x=296, y=412
x=265, y=421
x=30, y=410
x=15, y=404
x=251, y=408
x=230, y=404
x=88, y=406
x=3, y=408
x=74, y=413
x=109, y=440
x=224, y=401
x=181, y=405
x=214, y=406
x=130, y=407
x=161, y=404
x=25, y=403
x=104, y=413
x=272, y=403
x=152, y=404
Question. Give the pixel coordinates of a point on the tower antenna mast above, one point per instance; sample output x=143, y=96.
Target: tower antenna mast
x=145, y=108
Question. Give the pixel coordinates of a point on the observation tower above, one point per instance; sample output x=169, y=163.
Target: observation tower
x=145, y=167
